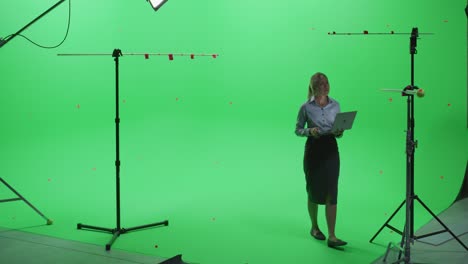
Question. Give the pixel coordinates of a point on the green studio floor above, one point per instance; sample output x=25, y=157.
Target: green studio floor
x=226, y=202
x=245, y=216
x=23, y=246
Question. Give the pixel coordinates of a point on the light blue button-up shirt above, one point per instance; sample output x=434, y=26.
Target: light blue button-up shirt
x=314, y=115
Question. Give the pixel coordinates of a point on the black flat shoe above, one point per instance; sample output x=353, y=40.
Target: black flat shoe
x=319, y=235
x=337, y=243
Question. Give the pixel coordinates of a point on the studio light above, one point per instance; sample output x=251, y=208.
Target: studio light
x=156, y=4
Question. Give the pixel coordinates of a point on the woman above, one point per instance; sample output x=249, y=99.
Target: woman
x=321, y=156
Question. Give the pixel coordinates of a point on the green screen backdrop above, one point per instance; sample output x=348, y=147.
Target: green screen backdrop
x=208, y=143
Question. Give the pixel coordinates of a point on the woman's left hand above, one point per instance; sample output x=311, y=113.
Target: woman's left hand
x=338, y=133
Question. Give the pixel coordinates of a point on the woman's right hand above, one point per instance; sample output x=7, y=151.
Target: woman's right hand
x=314, y=132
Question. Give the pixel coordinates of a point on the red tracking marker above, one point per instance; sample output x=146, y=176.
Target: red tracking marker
x=192, y=56
x=78, y=106
x=146, y=56
x=214, y=56
x=441, y=177
x=390, y=99
x=366, y=32
x=177, y=99
x=449, y=104
x=171, y=57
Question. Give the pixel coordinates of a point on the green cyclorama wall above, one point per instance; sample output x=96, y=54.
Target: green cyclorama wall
x=224, y=126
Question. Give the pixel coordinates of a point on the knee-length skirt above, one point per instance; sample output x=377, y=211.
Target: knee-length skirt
x=322, y=169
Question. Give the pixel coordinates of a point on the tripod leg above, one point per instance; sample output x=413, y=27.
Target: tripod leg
x=389, y=248
x=441, y=223
x=165, y=223
x=114, y=237
x=49, y=221
x=386, y=223
x=402, y=243
x=82, y=226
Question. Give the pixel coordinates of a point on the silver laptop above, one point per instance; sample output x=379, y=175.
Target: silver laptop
x=344, y=121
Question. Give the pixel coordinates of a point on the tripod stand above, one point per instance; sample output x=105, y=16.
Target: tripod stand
x=118, y=230
x=408, y=236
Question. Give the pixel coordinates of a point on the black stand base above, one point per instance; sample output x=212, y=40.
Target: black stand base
x=116, y=232
x=20, y=197
x=413, y=237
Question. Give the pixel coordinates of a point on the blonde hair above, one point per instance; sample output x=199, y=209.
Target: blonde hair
x=315, y=81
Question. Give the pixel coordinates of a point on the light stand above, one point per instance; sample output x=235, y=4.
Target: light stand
x=118, y=230
x=408, y=236
x=4, y=41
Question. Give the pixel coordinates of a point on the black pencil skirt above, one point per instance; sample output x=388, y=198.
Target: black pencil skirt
x=322, y=169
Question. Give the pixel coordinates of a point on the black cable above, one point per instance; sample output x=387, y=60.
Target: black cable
x=66, y=34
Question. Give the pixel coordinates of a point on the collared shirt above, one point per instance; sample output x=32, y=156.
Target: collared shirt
x=314, y=115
